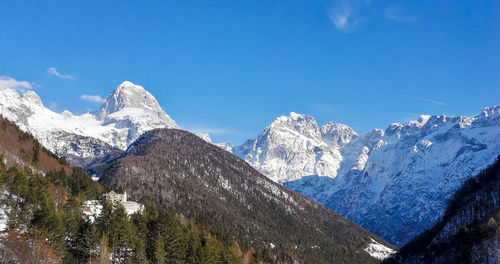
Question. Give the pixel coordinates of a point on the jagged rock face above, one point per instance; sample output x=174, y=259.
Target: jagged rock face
x=398, y=178
x=184, y=173
x=127, y=113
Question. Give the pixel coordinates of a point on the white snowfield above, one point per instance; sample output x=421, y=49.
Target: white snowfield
x=399, y=178
x=126, y=113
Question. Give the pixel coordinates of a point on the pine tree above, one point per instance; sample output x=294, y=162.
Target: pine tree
x=212, y=250
x=36, y=150
x=84, y=243
x=104, y=219
x=104, y=250
x=20, y=185
x=159, y=250
x=139, y=237
x=2, y=170
x=120, y=233
x=193, y=251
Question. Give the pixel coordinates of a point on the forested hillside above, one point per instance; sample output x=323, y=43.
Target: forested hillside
x=184, y=174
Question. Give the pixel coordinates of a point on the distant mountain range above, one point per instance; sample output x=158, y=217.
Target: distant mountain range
x=394, y=182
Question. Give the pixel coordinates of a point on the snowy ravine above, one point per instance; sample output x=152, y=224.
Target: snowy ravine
x=395, y=182
x=125, y=114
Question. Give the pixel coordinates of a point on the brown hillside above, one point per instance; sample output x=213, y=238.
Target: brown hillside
x=18, y=147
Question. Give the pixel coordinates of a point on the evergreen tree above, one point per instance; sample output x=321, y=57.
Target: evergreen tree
x=2, y=170
x=104, y=220
x=159, y=250
x=20, y=185
x=139, y=237
x=212, y=250
x=84, y=243
x=120, y=233
x=104, y=250
x=193, y=251
x=36, y=150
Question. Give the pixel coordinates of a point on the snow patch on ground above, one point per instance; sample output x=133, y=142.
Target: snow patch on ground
x=378, y=250
x=4, y=211
x=92, y=209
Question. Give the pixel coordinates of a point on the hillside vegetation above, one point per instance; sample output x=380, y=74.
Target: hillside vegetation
x=184, y=174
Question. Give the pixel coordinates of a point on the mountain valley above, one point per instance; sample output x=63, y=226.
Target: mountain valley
x=396, y=182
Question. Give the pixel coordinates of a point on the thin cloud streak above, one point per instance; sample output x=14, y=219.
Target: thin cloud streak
x=53, y=71
x=19, y=86
x=92, y=98
x=429, y=100
x=201, y=128
x=395, y=12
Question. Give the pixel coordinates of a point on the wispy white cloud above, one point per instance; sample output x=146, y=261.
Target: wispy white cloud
x=349, y=15
x=92, y=98
x=342, y=16
x=53, y=71
x=429, y=100
x=396, y=12
x=20, y=86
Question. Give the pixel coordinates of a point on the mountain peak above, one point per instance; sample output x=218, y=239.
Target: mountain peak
x=129, y=95
x=127, y=83
x=337, y=134
x=300, y=123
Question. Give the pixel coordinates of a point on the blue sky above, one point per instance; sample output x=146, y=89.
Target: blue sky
x=230, y=68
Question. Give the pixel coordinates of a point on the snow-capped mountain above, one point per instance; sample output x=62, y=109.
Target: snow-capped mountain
x=394, y=182
x=294, y=146
x=125, y=114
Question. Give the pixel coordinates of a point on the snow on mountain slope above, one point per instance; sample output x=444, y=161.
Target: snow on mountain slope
x=204, y=136
x=227, y=146
x=398, y=178
x=127, y=113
